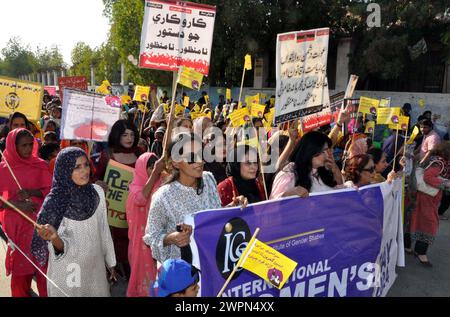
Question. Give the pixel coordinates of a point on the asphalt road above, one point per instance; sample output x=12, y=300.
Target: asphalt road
x=414, y=280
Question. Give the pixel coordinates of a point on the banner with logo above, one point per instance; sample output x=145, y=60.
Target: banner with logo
x=73, y=82
x=388, y=115
x=117, y=176
x=190, y=78
x=19, y=95
x=177, y=33
x=88, y=116
x=350, y=248
x=301, y=74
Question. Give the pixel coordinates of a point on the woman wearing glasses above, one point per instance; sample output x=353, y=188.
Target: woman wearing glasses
x=311, y=169
x=187, y=190
x=361, y=171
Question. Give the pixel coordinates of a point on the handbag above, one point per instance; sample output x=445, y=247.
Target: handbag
x=422, y=186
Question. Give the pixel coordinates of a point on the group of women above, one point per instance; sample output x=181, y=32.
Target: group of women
x=71, y=211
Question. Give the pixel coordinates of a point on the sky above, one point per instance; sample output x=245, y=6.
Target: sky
x=54, y=22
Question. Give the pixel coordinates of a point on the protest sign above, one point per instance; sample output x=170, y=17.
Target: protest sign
x=301, y=73
x=402, y=124
x=74, y=82
x=414, y=135
x=248, y=62
x=117, y=176
x=370, y=127
x=368, y=105
x=105, y=88
x=51, y=90
x=228, y=94
x=239, y=117
x=257, y=111
x=190, y=78
x=19, y=95
x=88, y=116
x=141, y=93
x=177, y=33
x=267, y=263
x=388, y=115
x=350, y=248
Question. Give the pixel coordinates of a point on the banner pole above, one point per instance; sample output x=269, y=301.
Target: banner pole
x=238, y=265
x=395, y=150
x=167, y=137
x=242, y=86
x=7, y=203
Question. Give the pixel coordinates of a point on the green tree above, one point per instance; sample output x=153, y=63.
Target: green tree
x=82, y=60
x=18, y=59
x=49, y=59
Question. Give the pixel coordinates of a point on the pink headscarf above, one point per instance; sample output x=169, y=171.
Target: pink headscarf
x=140, y=176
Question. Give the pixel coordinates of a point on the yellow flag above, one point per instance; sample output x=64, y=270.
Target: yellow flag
x=257, y=110
x=179, y=110
x=166, y=108
x=401, y=125
x=370, y=127
x=196, y=115
x=143, y=108
x=186, y=101
x=141, y=93
x=388, y=115
x=239, y=117
x=368, y=105
x=196, y=108
x=267, y=263
x=105, y=88
x=248, y=62
x=270, y=116
x=385, y=103
x=190, y=78
x=19, y=95
x=249, y=100
x=228, y=94
x=125, y=99
x=414, y=134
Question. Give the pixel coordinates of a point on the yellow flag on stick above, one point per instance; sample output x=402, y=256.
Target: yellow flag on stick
x=166, y=108
x=179, y=110
x=370, y=127
x=196, y=108
x=267, y=263
x=248, y=62
x=196, y=115
x=401, y=125
x=239, y=117
x=368, y=105
x=250, y=100
x=414, y=135
x=257, y=110
x=105, y=88
x=190, y=78
x=141, y=93
x=186, y=101
x=143, y=108
x=125, y=99
x=228, y=94
x=388, y=115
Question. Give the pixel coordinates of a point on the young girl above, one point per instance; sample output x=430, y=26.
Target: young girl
x=74, y=224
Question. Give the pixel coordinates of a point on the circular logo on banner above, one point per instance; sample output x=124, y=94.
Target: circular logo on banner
x=233, y=240
x=373, y=110
x=404, y=126
x=370, y=130
x=260, y=114
x=275, y=276
x=12, y=100
x=394, y=119
x=195, y=84
x=144, y=97
x=246, y=118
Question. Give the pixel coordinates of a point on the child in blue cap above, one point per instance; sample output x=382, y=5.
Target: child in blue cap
x=176, y=278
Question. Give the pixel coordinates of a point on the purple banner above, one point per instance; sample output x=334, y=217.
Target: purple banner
x=335, y=238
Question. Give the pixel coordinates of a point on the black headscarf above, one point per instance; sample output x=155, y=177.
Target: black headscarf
x=66, y=199
x=246, y=188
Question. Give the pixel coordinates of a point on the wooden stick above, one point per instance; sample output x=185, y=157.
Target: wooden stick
x=143, y=119
x=10, y=170
x=20, y=212
x=167, y=136
x=395, y=150
x=240, y=262
x=242, y=87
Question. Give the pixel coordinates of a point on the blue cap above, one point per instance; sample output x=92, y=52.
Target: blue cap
x=174, y=276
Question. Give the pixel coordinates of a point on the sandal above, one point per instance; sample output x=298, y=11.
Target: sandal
x=426, y=263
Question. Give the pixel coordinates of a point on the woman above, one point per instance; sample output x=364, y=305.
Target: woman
x=18, y=120
x=358, y=145
x=187, y=190
x=200, y=126
x=311, y=169
x=379, y=159
x=360, y=171
x=425, y=217
x=146, y=180
x=242, y=178
x=122, y=147
x=74, y=235
x=35, y=179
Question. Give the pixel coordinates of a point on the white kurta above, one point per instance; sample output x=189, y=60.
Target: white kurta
x=80, y=271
